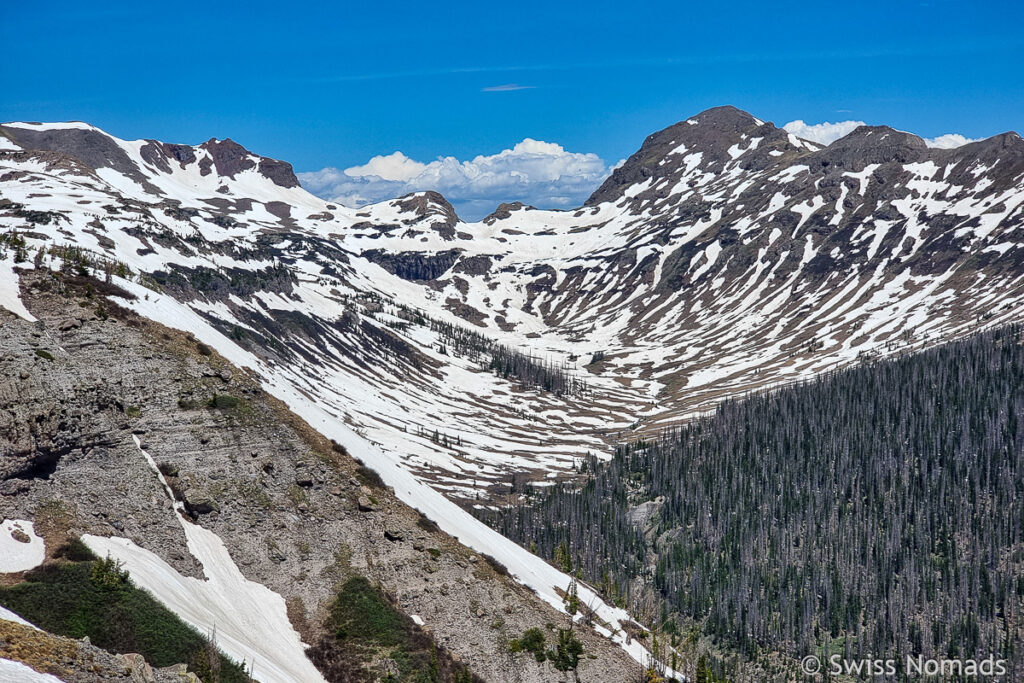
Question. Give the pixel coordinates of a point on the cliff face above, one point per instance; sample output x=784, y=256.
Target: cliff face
x=296, y=513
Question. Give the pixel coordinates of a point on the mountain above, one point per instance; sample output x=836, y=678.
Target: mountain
x=461, y=360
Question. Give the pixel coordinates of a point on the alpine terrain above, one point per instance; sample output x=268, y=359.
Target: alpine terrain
x=276, y=422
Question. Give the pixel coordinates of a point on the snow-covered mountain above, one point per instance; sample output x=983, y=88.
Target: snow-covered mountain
x=725, y=256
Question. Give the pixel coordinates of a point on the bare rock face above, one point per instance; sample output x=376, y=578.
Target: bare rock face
x=96, y=150
x=162, y=154
x=413, y=265
x=505, y=210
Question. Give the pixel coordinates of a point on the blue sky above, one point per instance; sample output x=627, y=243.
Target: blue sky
x=335, y=84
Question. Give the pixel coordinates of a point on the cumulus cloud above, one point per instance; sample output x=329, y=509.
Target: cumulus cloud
x=543, y=174
x=827, y=133
x=822, y=133
x=949, y=141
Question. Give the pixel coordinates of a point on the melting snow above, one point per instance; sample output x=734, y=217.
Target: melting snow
x=10, y=297
x=8, y=615
x=16, y=672
x=16, y=556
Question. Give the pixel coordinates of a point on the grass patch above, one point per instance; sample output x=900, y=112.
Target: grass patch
x=364, y=627
x=84, y=596
x=229, y=404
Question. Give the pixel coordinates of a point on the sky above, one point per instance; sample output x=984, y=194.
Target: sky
x=491, y=102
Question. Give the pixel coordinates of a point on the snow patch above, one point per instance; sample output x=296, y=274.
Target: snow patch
x=10, y=296
x=16, y=672
x=8, y=615
x=16, y=556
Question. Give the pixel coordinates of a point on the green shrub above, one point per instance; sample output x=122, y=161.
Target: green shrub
x=566, y=655
x=365, y=627
x=531, y=641
x=229, y=403
x=108, y=574
x=96, y=598
x=369, y=477
x=361, y=612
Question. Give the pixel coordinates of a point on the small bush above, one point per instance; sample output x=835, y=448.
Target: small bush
x=364, y=626
x=108, y=574
x=498, y=567
x=369, y=477
x=226, y=402
x=75, y=551
x=362, y=612
x=531, y=641
x=187, y=403
x=566, y=655
x=427, y=524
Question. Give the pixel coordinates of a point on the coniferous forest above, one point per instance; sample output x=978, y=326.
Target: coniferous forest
x=874, y=511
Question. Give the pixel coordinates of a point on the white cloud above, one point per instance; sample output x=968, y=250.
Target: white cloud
x=507, y=87
x=540, y=173
x=949, y=141
x=827, y=133
x=395, y=166
x=822, y=133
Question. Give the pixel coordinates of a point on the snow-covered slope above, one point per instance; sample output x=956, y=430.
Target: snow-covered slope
x=726, y=255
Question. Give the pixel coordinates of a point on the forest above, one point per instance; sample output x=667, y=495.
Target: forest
x=872, y=511
x=508, y=362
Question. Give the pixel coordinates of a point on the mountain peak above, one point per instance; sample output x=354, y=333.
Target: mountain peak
x=866, y=145
x=229, y=158
x=725, y=116
x=428, y=203
x=718, y=134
